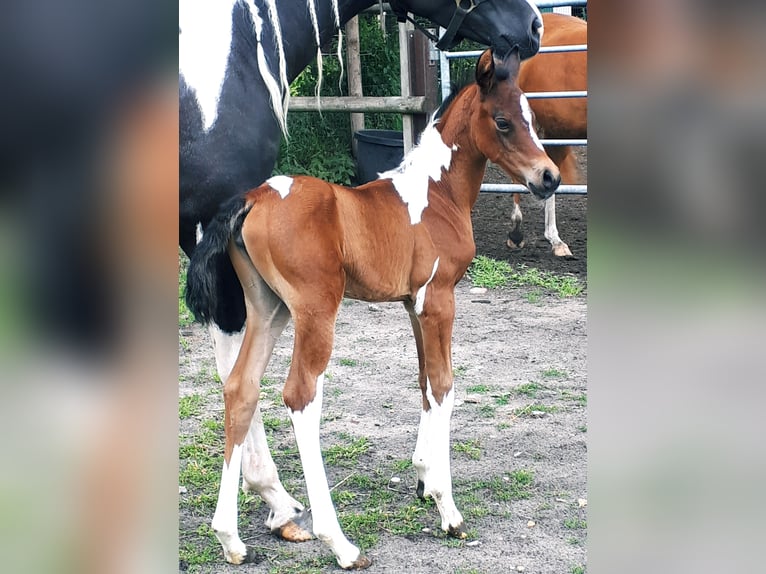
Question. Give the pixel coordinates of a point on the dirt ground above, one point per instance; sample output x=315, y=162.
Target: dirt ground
x=520, y=376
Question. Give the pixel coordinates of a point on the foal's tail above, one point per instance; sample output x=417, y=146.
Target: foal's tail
x=213, y=292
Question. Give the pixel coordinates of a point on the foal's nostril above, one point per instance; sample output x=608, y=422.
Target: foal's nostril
x=548, y=179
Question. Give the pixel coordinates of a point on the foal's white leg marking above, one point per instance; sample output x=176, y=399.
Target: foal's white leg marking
x=424, y=161
x=560, y=249
x=259, y=474
x=225, y=517
x=432, y=456
x=420, y=296
x=281, y=184
x=526, y=112
x=226, y=348
x=326, y=527
x=204, y=44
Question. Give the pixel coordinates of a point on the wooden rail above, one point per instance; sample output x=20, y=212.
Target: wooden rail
x=393, y=104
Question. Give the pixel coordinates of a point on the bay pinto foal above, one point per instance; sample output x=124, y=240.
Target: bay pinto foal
x=300, y=244
x=557, y=118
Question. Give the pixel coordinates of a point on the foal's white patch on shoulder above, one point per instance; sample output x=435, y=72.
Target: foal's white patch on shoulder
x=204, y=44
x=420, y=296
x=424, y=162
x=526, y=113
x=281, y=184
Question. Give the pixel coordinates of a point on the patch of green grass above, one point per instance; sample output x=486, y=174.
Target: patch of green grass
x=573, y=541
x=578, y=569
x=529, y=389
x=307, y=566
x=275, y=423
x=554, y=373
x=188, y=406
x=400, y=466
x=561, y=285
x=503, y=399
x=580, y=398
x=200, y=552
x=348, y=362
x=470, y=448
x=487, y=411
x=582, y=428
x=478, y=389
x=533, y=296
x=346, y=454
x=185, y=317
x=575, y=523
x=459, y=371
x=503, y=425
x=487, y=272
x=514, y=486
x=527, y=410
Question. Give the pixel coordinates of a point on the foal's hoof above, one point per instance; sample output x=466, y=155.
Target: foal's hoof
x=297, y=530
x=458, y=531
x=360, y=563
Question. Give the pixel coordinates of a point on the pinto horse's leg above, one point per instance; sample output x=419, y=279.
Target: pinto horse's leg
x=431, y=459
x=314, y=327
x=516, y=234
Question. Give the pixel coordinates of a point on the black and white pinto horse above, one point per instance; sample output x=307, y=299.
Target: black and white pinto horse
x=236, y=61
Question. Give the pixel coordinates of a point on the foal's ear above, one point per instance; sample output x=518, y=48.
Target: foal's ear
x=485, y=71
x=491, y=69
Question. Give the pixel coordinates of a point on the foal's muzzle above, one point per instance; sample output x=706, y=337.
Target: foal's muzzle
x=547, y=184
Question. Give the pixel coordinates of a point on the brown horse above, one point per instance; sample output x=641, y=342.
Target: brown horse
x=300, y=244
x=557, y=118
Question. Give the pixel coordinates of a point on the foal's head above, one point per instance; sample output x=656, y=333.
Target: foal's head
x=504, y=126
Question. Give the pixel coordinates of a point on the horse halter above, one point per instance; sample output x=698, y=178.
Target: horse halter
x=447, y=41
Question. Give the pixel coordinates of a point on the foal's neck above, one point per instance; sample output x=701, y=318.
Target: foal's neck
x=468, y=163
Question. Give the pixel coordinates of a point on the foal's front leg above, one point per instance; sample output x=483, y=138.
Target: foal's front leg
x=431, y=459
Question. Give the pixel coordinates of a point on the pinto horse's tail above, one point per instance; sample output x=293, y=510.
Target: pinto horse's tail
x=213, y=291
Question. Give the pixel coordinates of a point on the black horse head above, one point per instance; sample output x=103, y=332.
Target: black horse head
x=499, y=24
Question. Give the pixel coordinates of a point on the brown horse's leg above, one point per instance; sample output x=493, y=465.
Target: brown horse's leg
x=431, y=458
x=314, y=315
x=516, y=234
x=420, y=491
x=563, y=157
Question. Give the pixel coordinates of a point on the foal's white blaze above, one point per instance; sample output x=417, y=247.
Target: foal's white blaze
x=420, y=296
x=204, y=44
x=281, y=184
x=424, y=161
x=225, y=517
x=432, y=456
x=526, y=113
x=326, y=527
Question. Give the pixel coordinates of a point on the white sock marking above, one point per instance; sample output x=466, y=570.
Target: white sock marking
x=516, y=215
x=225, y=517
x=259, y=474
x=204, y=44
x=526, y=112
x=281, y=184
x=420, y=296
x=432, y=456
x=424, y=162
x=326, y=527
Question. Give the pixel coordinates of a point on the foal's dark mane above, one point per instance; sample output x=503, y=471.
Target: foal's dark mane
x=454, y=90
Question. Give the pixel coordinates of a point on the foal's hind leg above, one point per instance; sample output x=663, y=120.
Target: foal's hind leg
x=314, y=326
x=431, y=459
x=259, y=473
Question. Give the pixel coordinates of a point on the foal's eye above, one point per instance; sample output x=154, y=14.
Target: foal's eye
x=502, y=124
